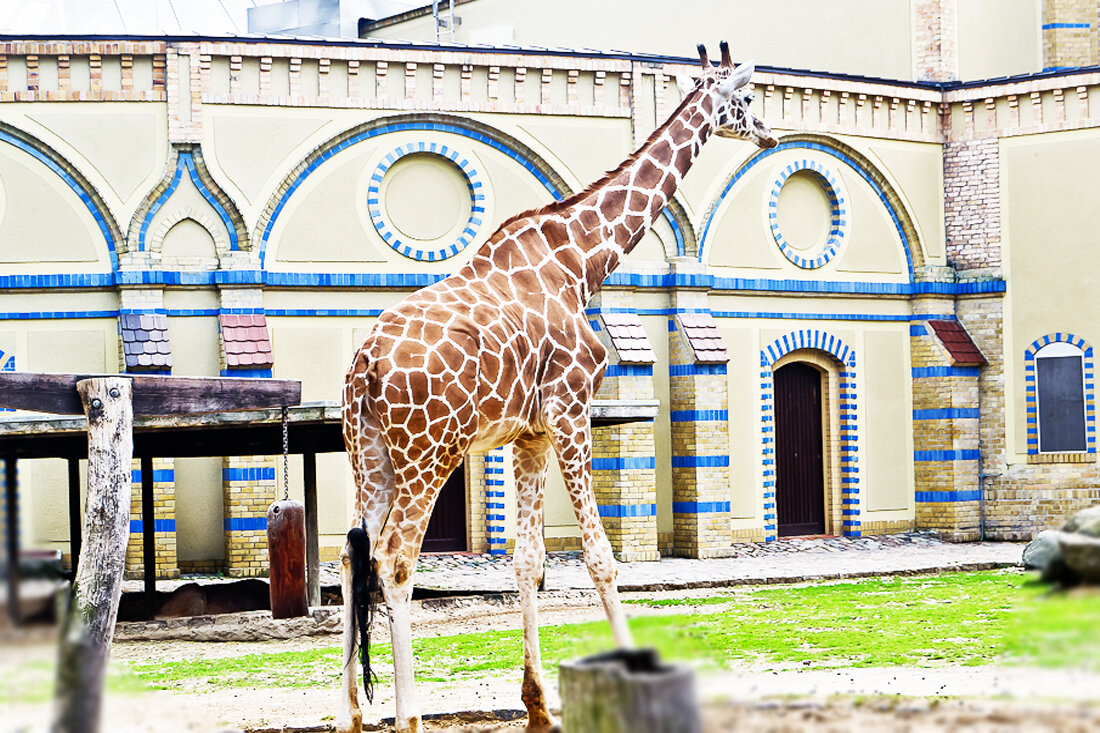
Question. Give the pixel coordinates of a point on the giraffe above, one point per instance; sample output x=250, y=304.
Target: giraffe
x=502, y=352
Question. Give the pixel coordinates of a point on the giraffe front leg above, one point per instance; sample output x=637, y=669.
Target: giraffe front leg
x=397, y=591
x=353, y=722
x=530, y=468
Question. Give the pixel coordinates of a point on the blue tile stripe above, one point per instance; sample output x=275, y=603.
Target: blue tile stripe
x=261, y=473
x=699, y=415
x=697, y=461
x=922, y=456
x=627, y=510
x=250, y=373
x=455, y=126
x=1031, y=387
x=948, y=413
x=82, y=188
x=494, y=519
x=821, y=148
x=1065, y=26
x=700, y=507
x=413, y=280
x=838, y=227
x=629, y=463
x=629, y=370
x=159, y=525
x=245, y=524
x=677, y=232
x=944, y=371
x=817, y=340
x=695, y=370
x=160, y=476
x=932, y=497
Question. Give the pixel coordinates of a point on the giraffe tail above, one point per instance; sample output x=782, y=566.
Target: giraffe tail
x=364, y=594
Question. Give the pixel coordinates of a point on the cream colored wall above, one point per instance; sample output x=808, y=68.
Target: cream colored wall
x=743, y=372
x=884, y=397
x=999, y=38
x=121, y=147
x=801, y=34
x=1050, y=220
x=63, y=347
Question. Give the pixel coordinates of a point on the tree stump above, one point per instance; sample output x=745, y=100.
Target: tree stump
x=627, y=691
x=286, y=556
x=89, y=624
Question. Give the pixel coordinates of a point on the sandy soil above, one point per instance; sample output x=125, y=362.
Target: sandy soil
x=741, y=699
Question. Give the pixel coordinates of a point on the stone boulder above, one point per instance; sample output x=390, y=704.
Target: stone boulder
x=1081, y=554
x=1086, y=521
x=1042, y=550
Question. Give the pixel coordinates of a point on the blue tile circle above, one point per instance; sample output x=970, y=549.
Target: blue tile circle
x=838, y=215
x=411, y=248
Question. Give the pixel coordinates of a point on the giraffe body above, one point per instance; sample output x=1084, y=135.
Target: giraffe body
x=502, y=352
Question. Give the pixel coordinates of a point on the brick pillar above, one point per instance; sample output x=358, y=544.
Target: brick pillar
x=946, y=420
x=624, y=473
x=936, y=45
x=1069, y=32
x=164, y=521
x=700, y=436
x=476, y=537
x=248, y=485
x=972, y=203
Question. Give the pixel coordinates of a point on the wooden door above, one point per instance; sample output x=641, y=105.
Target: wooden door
x=800, y=479
x=447, y=526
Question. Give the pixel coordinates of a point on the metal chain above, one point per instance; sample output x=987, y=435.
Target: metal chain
x=286, y=454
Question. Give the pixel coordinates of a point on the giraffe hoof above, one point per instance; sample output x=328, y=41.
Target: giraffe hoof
x=355, y=725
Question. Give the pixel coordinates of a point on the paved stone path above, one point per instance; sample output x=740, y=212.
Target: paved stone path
x=788, y=560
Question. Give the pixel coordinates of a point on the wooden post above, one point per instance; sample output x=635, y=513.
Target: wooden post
x=286, y=549
x=74, y=512
x=11, y=525
x=627, y=691
x=89, y=625
x=313, y=556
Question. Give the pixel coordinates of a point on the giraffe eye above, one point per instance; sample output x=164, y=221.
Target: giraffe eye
x=749, y=97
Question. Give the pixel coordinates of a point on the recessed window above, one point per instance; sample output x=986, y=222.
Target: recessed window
x=1060, y=398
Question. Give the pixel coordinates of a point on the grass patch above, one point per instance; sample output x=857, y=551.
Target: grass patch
x=953, y=619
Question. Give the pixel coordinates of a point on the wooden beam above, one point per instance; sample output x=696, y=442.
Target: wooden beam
x=11, y=527
x=153, y=395
x=313, y=557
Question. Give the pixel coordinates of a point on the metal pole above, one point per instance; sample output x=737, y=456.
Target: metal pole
x=313, y=560
x=11, y=506
x=148, y=536
x=74, y=513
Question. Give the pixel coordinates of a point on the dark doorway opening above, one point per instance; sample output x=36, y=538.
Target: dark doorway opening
x=447, y=526
x=800, y=474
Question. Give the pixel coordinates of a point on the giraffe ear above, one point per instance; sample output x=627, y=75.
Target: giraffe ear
x=685, y=83
x=742, y=74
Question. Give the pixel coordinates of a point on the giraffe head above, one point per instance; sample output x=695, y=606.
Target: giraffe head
x=729, y=89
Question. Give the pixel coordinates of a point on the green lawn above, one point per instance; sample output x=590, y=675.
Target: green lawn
x=958, y=619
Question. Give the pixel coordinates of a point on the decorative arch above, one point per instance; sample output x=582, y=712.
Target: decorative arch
x=819, y=341
x=858, y=163
x=677, y=217
x=188, y=161
x=217, y=233
x=1031, y=388
x=75, y=180
x=535, y=164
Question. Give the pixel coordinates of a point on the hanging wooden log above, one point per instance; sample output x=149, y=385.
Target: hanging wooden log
x=627, y=691
x=89, y=624
x=286, y=552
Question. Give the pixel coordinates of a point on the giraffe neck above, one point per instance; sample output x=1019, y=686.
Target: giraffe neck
x=629, y=200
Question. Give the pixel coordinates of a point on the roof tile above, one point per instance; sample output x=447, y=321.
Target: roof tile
x=958, y=344
x=145, y=341
x=701, y=332
x=628, y=338
x=245, y=340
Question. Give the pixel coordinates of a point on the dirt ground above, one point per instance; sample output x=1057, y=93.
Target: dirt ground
x=749, y=698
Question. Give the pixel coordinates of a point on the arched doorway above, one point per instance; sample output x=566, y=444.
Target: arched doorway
x=800, y=465
x=447, y=527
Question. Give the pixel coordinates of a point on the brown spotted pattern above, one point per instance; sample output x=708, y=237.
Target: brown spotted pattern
x=501, y=352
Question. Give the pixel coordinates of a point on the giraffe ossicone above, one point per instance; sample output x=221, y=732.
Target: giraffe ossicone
x=502, y=352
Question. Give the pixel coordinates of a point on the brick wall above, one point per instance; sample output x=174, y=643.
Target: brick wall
x=248, y=484
x=972, y=203
x=935, y=47
x=1069, y=33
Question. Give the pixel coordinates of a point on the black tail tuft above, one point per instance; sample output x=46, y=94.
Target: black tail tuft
x=364, y=592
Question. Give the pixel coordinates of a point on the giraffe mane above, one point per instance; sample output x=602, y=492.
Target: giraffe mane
x=565, y=203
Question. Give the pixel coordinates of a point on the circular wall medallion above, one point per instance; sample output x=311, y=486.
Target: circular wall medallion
x=426, y=201
x=808, y=213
